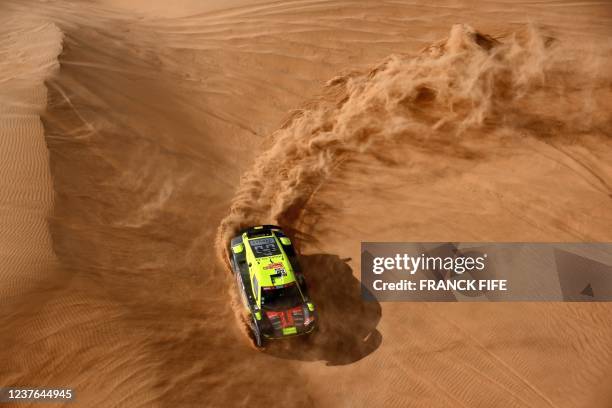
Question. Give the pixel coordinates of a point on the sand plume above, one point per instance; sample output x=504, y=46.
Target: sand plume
x=470, y=81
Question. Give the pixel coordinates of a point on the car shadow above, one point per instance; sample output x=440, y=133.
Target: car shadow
x=346, y=330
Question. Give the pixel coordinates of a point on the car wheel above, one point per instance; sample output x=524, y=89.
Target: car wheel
x=257, y=338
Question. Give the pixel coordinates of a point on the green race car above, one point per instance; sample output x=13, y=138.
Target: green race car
x=271, y=285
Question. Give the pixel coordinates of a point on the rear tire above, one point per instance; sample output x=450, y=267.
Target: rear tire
x=232, y=269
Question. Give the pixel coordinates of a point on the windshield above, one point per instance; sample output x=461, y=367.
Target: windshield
x=280, y=298
x=264, y=247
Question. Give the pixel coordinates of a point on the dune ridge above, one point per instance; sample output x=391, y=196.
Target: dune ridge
x=30, y=49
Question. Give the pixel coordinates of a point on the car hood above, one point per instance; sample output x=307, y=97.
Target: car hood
x=297, y=317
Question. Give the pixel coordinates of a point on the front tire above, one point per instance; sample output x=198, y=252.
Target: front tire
x=257, y=337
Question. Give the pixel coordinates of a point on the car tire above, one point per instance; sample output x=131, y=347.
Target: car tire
x=257, y=338
x=232, y=269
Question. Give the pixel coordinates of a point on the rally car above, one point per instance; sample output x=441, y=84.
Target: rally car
x=272, y=287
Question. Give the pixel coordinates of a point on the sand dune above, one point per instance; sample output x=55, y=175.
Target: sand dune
x=30, y=48
x=168, y=127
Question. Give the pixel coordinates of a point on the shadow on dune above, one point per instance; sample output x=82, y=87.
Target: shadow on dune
x=347, y=323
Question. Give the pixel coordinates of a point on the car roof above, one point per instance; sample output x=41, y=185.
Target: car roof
x=270, y=271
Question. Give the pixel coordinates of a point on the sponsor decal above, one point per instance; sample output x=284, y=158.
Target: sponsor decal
x=275, y=265
x=279, y=269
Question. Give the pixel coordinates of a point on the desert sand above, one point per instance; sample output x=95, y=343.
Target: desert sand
x=136, y=136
